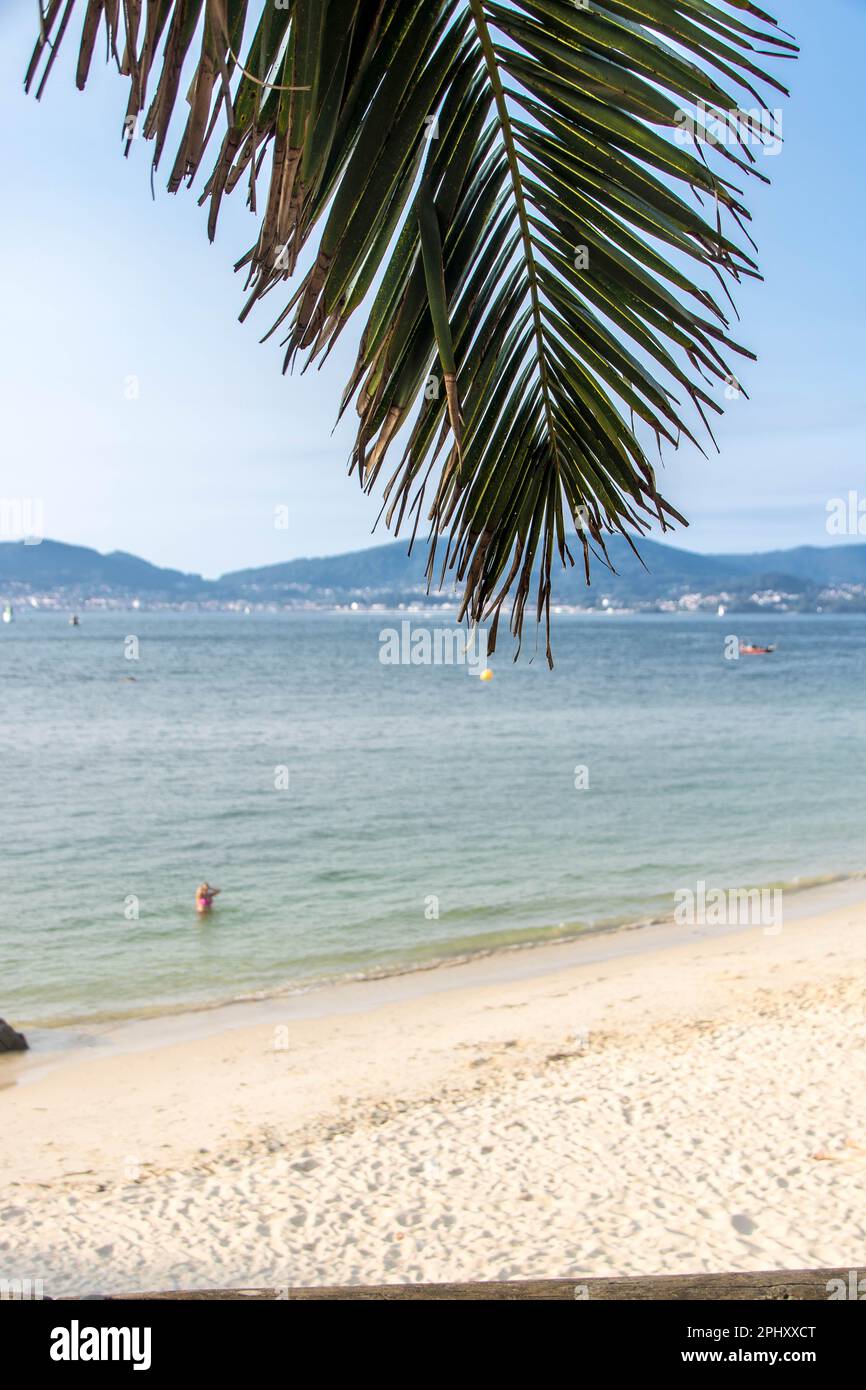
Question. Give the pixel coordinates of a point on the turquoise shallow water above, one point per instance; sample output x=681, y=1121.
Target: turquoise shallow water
x=406, y=784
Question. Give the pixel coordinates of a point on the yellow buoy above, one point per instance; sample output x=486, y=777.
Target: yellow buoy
x=486, y=674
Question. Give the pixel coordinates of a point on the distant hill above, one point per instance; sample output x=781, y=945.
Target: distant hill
x=666, y=574
x=382, y=566
x=804, y=578
x=53, y=565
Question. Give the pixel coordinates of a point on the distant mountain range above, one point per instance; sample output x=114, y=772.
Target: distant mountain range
x=803, y=579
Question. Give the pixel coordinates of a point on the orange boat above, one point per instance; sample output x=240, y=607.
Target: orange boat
x=748, y=649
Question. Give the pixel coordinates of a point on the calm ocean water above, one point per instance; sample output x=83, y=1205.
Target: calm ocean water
x=410, y=789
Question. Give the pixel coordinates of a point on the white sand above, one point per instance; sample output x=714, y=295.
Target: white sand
x=700, y=1107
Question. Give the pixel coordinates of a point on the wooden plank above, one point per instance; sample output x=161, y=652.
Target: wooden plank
x=775, y=1285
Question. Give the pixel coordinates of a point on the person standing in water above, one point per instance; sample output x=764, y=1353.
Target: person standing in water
x=204, y=896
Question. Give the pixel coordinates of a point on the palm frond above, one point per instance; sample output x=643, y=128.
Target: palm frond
x=505, y=186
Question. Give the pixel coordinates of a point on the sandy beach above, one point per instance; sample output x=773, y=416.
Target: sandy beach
x=660, y=1105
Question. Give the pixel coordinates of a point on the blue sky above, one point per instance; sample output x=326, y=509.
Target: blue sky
x=102, y=283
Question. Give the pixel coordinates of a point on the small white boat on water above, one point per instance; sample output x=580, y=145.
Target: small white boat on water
x=8, y=614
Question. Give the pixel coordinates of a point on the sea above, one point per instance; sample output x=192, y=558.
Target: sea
x=364, y=818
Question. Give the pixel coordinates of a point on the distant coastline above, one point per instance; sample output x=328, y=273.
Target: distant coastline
x=54, y=576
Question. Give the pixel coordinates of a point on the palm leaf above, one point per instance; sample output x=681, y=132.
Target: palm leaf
x=503, y=184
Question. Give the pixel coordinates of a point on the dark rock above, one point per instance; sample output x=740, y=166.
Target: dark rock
x=10, y=1041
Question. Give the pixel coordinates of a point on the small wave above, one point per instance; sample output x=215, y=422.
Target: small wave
x=459, y=951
